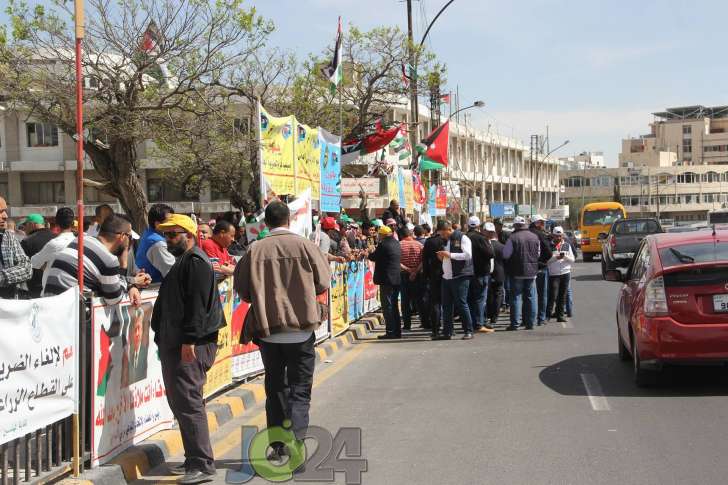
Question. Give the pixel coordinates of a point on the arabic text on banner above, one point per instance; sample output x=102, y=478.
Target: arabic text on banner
x=330, y=163
x=39, y=364
x=338, y=309
x=277, y=148
x=409, y=189
x=308, y=155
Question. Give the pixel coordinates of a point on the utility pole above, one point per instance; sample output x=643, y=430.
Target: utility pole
x=414, y=122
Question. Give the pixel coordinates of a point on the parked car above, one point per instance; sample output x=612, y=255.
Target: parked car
x=623, y=239
x=673, y=306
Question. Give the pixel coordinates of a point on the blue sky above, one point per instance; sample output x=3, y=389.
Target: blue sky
x=593, y=70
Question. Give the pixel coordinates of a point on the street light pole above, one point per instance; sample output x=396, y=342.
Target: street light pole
x=477, y=104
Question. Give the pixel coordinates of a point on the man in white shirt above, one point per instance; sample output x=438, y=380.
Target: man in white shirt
x=65, y=220
x=457, y=268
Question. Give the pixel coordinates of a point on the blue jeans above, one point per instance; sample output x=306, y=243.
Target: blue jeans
x=477, y=297
x=455, y=297
x=523, y=292
x=390, y=309
x=569, y=303
x=542, y=288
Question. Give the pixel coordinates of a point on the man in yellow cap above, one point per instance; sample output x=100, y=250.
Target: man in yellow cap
x=186, y=319
x=387, y=257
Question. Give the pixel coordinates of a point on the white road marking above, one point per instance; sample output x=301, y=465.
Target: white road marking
x=594, y=392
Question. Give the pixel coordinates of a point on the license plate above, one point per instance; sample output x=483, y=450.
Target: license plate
x=720, y=303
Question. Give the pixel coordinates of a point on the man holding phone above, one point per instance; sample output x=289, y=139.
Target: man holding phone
x=559, y=267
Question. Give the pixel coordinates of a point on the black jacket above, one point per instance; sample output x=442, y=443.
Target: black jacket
x=482, y=253
x=499, y=271
x=390, y=214
x=524, y=260
x=431, y=266
x=546, y=251
x=188, y=308
x=32, y=245
x=386, y=259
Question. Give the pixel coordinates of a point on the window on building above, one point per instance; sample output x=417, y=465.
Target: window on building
x=687, y=129
x=4, y=189
x=161, y=190
x=44, y=193
x=42, y=135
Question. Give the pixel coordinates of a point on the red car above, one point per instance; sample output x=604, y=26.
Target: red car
x=673, y=306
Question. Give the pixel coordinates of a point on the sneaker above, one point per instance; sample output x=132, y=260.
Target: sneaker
x=486, y=329
x=468, y=336
x=442, y=337
x=177, y=470
x=389, y=337
x=195, y=476
x=511, y=328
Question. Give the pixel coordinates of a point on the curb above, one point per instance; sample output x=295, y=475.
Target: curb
x=139, y=459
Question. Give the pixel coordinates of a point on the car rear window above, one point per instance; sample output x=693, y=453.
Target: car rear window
x=705, y=252
x=636, y=227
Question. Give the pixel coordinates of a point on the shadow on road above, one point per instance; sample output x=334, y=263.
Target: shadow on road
x=588, y=277
x=616, y=378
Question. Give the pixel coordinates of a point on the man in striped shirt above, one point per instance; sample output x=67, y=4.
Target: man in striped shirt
x=105, y=259
x=411, y=265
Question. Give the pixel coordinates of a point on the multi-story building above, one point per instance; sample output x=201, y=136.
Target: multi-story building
x=38, y=173
x=582, y=160
x=691, y=135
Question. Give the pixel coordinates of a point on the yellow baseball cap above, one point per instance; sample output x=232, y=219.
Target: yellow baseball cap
x=385, y=231
x=180, y=220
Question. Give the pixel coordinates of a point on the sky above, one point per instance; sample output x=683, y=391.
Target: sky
x=592, y=70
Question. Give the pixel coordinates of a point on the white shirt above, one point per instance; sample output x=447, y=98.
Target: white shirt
x=93, y=230
x=466, y=255
x=49, y=251
x=561, y=266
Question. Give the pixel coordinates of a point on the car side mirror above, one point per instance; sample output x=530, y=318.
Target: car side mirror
x=602, y=236
x=614, y=275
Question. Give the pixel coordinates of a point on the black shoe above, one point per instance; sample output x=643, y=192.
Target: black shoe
x=541, y=322
x=529, y=328
x=389, y=337
x=489, y=326
x=407, y=327
x=195, y=476
x=468, y=336
x=442, y=337
x=511, y=329
x=561, y=320
x=177, y=470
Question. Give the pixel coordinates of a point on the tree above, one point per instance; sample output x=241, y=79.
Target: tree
x=153, y=66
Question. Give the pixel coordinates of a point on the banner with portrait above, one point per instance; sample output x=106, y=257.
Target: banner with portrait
x=330, y=163
x=308, y=160
x=277, y=148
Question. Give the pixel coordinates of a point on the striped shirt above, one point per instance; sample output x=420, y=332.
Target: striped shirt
x=411, y=253
x=101, y=271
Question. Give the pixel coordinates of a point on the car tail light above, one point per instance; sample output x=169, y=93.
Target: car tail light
x=655, y=298
x=585, y=241
x=613, y=242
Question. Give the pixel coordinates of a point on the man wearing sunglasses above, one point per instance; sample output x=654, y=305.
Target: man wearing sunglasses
x=186, y=318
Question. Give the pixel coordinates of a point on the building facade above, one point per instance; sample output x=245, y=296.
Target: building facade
x=582, y=160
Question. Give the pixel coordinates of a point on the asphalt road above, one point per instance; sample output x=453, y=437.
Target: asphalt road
x=548, y=406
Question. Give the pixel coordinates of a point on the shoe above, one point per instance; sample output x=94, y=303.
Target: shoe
x=389, y=337
x=511, y=329
x=486, y=329
x=442, y=337
x=541, y=322
x=196, y=476
x=489, y=325
x=408, y=328
x=529, y=328
x=177, y=470
x=561, y=320
x=468, y=336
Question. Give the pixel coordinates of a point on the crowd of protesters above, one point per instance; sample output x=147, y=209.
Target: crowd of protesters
x=475, y=274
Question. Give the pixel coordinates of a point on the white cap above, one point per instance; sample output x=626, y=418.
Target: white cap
x=537, y=218
x=473, y=221
x=410, y=226
x=489, y=226
x=134, y=235
x=519, y=220
x=558, y=230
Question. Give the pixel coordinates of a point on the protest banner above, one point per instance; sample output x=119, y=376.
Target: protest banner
x=330, y=162
x=277, y=154
x=220, y=374
x=38, y=363
x=308, y=160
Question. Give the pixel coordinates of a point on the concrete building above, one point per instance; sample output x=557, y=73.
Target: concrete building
x=582, y=160
x=38, y=173
x=691, y=135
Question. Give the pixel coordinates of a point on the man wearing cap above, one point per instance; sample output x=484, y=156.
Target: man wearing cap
x=542, y=279
x=327, y=246
x=38, y=235
x=186, y=318
x=497, y=276
x=457, y=269
x=15, y=267
x=521, y=254
x=559, y=274
x=66, y=222
x=387, y=257
x=482, y=263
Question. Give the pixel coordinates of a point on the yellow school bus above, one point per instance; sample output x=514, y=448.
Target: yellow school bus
x=596, y=218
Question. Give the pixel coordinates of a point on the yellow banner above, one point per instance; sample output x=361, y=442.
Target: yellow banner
x=308, y=161
x=220, y=374
x=392, y=186
x=409, y=191
x=277, y=145
x=339, y=311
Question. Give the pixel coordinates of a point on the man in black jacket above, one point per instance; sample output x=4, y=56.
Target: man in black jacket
x=432, y=275
x=37, y=237
x=478, y=290
x=393, y=212
x=521, y=254
x=542, y=279
x=387, y=269
x=186, y=318
x=497, y=277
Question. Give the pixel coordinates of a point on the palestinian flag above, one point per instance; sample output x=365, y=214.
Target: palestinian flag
x=104, y=364
x=334, y=71
x=151, y=39
x=150, y=47
x=445, y=98
x=433, y=149
x=355, y=147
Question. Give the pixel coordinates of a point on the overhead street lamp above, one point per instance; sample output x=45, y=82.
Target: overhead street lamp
x=477, y=104
x=533, y=179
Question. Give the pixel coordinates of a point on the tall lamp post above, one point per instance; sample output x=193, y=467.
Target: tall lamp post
x=533, y=179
